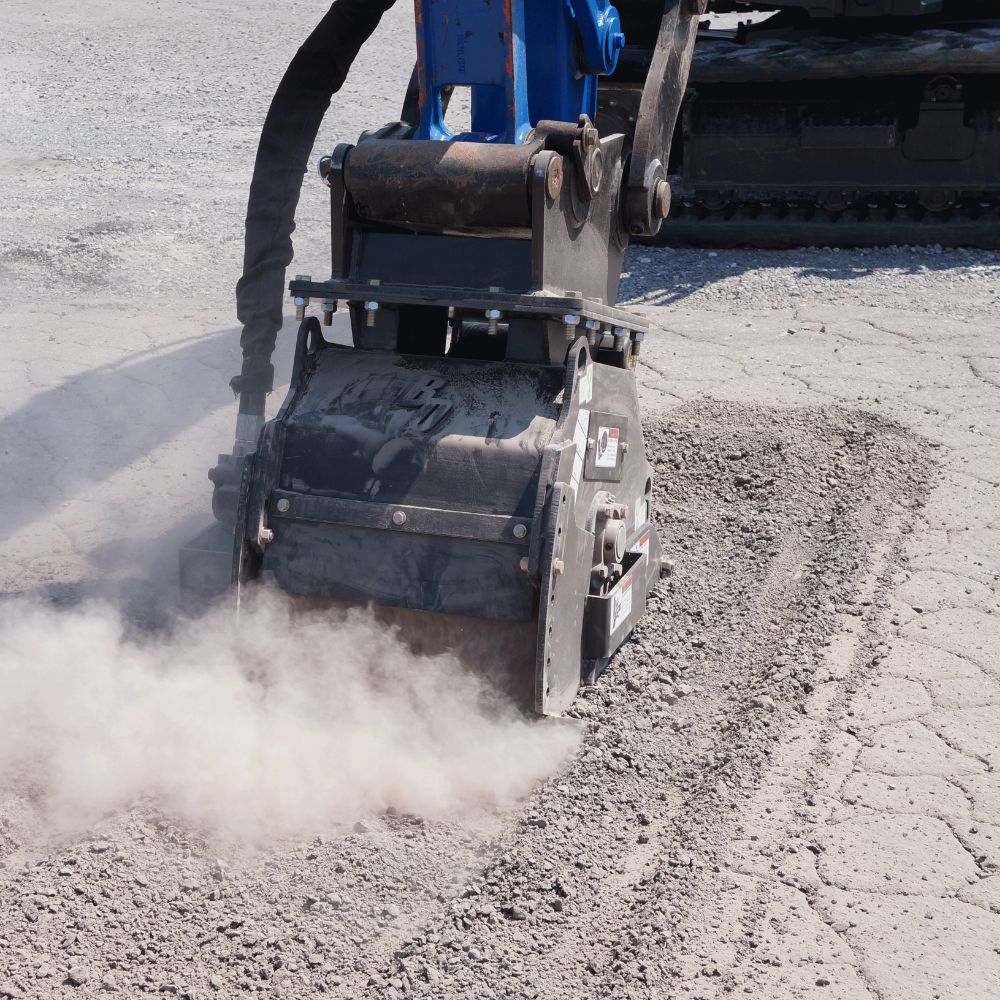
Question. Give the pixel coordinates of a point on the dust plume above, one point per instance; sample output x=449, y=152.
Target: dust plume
x=278, y=726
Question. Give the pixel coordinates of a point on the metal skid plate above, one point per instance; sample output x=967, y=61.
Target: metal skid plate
x=571, y=623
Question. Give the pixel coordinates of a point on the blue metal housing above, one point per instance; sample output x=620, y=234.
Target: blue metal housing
x=524, y=61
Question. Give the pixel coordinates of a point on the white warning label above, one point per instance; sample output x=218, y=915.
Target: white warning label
x=607, y=447
x=621, y=604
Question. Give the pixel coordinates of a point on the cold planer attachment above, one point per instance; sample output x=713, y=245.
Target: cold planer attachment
x=505, y=491
x=477, y=450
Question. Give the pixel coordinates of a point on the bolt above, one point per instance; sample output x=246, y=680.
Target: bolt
x=329, y=308
x=558, y=567
x=399, y=518
x=620, y=334
x=265, y=536
x=570, y=322
x=666, y=566
x=370, y=309
x=624, y=447
x=637, y=339
x=300, y=308
x=493, y=315
x=284, y=505
x=520, y=530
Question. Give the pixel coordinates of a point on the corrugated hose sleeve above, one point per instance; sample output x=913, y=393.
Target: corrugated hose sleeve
x=314, y=75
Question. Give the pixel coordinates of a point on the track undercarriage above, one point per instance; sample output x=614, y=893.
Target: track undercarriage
x=852, y=125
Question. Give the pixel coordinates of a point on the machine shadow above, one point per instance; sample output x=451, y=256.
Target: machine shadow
x=80, y=433
x=663, y=276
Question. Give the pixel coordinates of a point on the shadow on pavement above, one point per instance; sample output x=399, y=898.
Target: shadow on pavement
x=663, y=276
x=83, y=431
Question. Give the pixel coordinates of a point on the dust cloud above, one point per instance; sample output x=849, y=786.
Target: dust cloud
x=279, y=725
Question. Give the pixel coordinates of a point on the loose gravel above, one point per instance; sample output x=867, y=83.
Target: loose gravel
x=774, y=518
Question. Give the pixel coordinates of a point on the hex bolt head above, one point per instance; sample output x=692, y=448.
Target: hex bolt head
x=520, y=530
x=399, y=518
x=265, y=536
x=284, y=505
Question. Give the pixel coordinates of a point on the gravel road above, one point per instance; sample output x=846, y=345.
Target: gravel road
x=784, y=785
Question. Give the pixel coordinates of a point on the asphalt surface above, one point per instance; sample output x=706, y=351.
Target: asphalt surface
x=785, y=786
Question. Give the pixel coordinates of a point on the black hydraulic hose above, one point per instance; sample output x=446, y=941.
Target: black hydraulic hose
x=314, y=75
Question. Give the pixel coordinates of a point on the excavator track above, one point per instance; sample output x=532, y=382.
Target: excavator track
x=834, y=133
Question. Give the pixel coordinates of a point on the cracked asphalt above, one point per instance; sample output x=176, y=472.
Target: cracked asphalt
x=787, y=785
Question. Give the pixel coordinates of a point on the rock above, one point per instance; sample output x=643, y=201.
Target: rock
x=78, y=975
